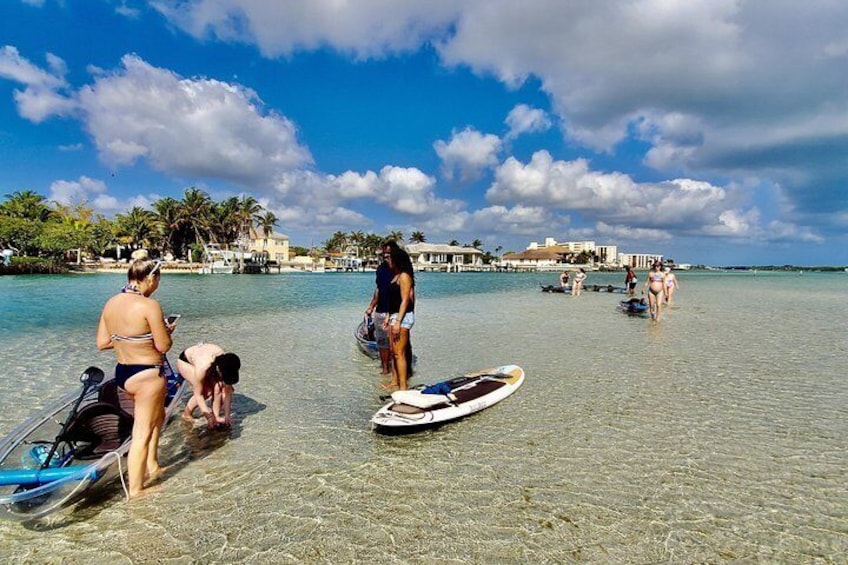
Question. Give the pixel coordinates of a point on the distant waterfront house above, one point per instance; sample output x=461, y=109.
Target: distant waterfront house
x=441, y=257
x=276, y=245
x=540, y=259
x=343, y=261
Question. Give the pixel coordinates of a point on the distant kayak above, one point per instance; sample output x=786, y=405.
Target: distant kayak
x=428, y=406
x=364, y=335
x=605, y=288
x=553, y=288
x=634, y=306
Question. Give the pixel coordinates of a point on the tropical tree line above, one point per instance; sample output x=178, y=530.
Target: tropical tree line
x=35, y=227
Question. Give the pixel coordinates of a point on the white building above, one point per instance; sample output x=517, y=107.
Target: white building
x=639, y=260
x=569, y=246
x=441, y=257
x=607, y=254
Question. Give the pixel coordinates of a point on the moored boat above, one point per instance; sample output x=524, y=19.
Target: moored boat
x=217, y=261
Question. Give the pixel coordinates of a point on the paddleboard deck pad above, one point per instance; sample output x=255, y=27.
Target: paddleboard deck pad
x=429, y=406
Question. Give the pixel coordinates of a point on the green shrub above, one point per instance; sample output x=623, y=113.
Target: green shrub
x=33, y=266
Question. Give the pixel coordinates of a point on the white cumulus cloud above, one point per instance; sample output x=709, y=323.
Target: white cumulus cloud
x=76, y=192
x=194, y=127
x=468, y=152
x=524, y=119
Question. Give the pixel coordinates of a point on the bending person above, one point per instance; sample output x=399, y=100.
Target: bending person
x=132, y=324
x=212, y=372
x=401, y=315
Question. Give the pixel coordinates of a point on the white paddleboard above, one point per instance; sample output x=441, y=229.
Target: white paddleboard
x=413, y=410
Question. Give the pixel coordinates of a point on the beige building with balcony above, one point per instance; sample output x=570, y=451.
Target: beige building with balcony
x=276, y=245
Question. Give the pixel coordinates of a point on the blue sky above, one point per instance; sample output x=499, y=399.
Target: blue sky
x=710, y=131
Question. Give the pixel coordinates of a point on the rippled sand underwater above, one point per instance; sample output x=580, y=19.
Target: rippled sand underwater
x=715, y=435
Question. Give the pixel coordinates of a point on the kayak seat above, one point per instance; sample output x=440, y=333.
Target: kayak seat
x=112, y=394
x=97, y=429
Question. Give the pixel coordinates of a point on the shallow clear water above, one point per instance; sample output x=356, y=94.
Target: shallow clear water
x=716, y=434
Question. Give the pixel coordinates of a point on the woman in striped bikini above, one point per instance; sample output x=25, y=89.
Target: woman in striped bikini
x=132, y=324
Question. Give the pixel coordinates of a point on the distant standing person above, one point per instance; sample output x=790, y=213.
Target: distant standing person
x=579, y=279
x=378, y=309
x=563, y=279
x=630, y=281
x=656, y=290
x=671, y=285
x=401, y=316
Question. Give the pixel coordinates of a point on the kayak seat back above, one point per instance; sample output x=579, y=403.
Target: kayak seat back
x=112, y=394
x=97, y=429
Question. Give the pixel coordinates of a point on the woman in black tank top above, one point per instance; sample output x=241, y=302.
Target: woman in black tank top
x=401, y=316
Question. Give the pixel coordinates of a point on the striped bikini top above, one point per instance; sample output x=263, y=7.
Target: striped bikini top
x=132, y=338
x=132, y=289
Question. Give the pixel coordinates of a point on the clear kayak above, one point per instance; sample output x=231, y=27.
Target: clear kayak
x=365, y=339
x=53, y=458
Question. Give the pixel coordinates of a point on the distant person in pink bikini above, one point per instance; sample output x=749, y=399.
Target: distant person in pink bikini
x=671, y=285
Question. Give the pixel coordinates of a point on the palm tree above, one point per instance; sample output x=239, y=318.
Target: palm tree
x=168, y=223
x=194, y=211
x=417, y=237
x=135, y=227
x=249, y=212
x=225, y=221
x=357, y=239
x=267, y=222
x=336, y=243
x=27, y=204
x=476, y=244
x=396, y=235
x=453, y=242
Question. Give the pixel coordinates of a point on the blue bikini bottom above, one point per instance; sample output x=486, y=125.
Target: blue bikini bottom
x=124, y=372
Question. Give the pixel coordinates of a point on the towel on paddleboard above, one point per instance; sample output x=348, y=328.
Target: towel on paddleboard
x=438, y=388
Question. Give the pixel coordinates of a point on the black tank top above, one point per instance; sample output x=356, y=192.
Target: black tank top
x=395, y=300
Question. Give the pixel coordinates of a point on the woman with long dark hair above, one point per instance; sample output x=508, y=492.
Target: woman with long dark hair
x=401, y=315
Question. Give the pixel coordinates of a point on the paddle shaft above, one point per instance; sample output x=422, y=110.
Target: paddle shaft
x=71, y=414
